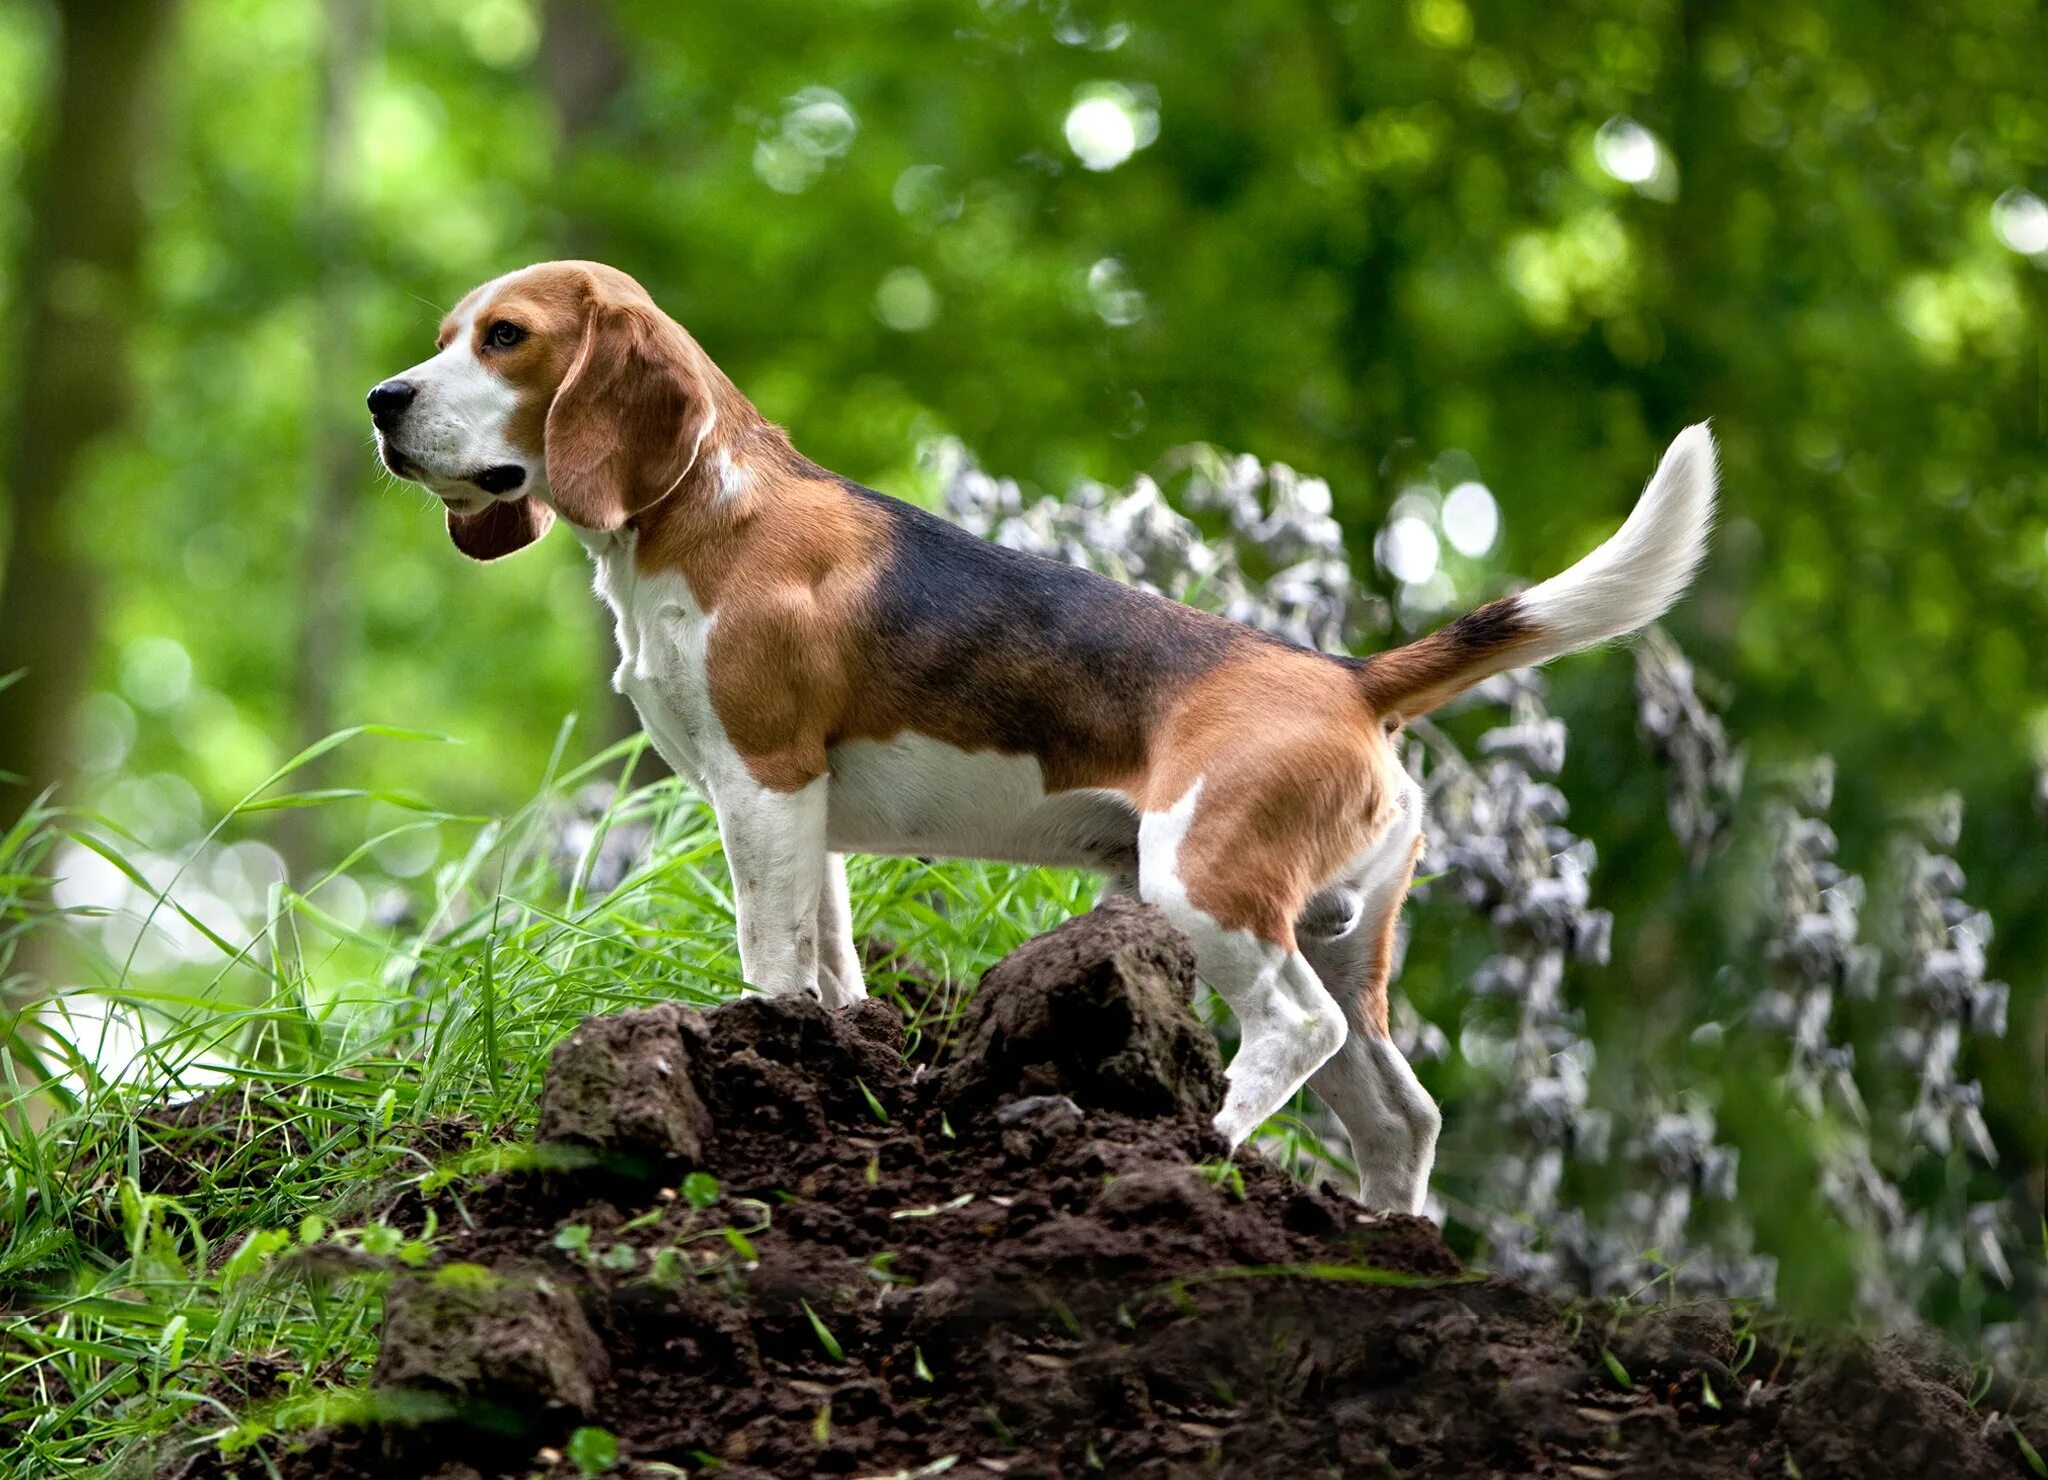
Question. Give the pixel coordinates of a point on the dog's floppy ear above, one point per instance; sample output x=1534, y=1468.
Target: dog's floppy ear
x=630, y=416
x=501, y=529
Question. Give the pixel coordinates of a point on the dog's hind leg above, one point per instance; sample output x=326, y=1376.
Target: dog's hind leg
x=1389, y=1116
x=840, y=981
x=1390, y=1119
x=1288, y=1024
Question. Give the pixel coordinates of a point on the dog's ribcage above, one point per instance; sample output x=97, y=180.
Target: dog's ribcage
x=908, y=794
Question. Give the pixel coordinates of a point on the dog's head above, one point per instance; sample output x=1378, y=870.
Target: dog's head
x=558, y=389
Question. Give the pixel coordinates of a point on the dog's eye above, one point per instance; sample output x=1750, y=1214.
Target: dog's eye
x=503, y=334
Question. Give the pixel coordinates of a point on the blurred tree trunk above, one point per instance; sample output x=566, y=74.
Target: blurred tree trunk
x=337, y=438
x=1378, y=357
x=74, y=301
x=1690, y=379
x=584, y=64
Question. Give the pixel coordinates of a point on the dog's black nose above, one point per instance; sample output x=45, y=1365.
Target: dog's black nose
x=389, y=397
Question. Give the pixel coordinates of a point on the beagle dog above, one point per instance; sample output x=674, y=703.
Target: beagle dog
x=841, y=672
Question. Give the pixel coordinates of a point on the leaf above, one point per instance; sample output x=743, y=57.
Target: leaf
x=700, y=1189
x=936, y=1208
x=1343, y=1274
x=1616, y=1370
x=2029, y=1453
x=825, y=1338
x=874, y=1105
x=171, y=1345
x=593, y=1450
x=930, y=1471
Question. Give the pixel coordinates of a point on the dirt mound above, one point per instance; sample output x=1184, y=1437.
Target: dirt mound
x=792, y=1255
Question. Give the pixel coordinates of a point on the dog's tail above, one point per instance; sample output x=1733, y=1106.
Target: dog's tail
x=1627, y=583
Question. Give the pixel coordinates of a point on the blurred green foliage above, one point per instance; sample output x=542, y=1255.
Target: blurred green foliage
x=1374, y=240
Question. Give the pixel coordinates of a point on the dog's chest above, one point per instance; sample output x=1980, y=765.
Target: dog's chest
x=662, y=635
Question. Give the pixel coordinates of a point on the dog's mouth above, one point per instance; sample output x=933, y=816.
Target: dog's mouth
x=398, y=462
x=493, y=482
x=500, y=479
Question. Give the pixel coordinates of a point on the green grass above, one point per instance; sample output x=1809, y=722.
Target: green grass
x=360, y=1060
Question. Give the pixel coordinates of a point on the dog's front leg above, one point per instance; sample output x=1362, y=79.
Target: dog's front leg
x=839, y=972
x=775, y=846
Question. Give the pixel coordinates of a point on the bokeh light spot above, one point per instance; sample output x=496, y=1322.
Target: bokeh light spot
x=1471, y=519
x=1627, y=151
x=1408, y=549
x=904, y=300
x=1110, y=122
x=156, y=672
x=1101, y=134
x=2020, y=218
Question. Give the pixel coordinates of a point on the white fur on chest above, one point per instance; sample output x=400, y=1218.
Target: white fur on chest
x=663, y=636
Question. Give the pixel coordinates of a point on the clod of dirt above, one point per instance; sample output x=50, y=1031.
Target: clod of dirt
x=499, y=1352
x=1859, y=1400
x=770, y=1059
x=1180, y=1195
x=620, y=1086
x=1096, y=1010
x=1675, y=1342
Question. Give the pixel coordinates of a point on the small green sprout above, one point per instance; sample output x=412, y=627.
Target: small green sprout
x=2028, y=1452
x=1225, y=1176
x=593, y=1451
x=825, y=1337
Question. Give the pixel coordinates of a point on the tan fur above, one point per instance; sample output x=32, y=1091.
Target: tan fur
x=1368, y=1007
x=1284, y=749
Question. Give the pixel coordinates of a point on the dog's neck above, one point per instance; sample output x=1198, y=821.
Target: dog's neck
x=712, y=523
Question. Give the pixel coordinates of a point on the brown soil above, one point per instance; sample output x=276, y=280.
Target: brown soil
x=194, y=1147
x=1036, y=1262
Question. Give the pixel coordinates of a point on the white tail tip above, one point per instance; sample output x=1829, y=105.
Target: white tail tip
x=1636, y=576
